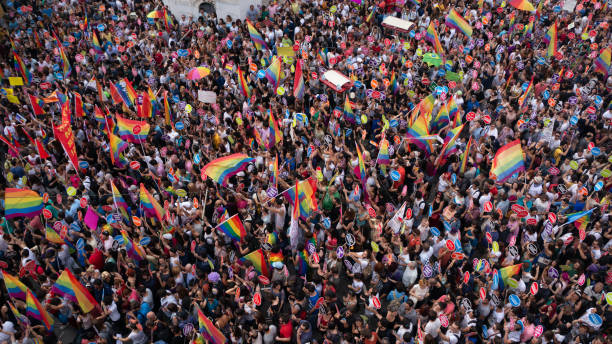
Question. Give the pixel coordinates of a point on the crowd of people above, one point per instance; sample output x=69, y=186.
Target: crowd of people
x=409, y=234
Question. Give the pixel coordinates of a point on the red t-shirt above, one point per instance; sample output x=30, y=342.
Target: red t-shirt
x=97, y=259
x=286, y=330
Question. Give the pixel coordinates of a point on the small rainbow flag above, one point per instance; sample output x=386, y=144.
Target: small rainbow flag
x=426, y=105
x=525, y=94
x=243, y=85
x=52, y=236
x=298, y=84
x=209, y=330
x=441, y=119
x=131, y=92
x=523, y=5
x=15, y=288
x=466, y=155
x=417, y=130
x=114, y=92
x=21, y=203
x=276, y=135
x=302, y=263
x=119, y=202
x=273, y=72
x=36, y=104
x=145, y=110
x=306, y=197
x=504, y=274
x=35, y=310
x=220, y=170
x=348, y=111
x=322, y=56
x=275, y=172
x=432, y=36
x=578, y=218
x=275, y=256
x=21, y=67
x=455, y=20
x=383, y=153
x=257, y=39
x=69, y=287
x=258, y=259
x=362, y=169
x=20, y=317
x=151, y=206
x=117, y=146
x=122, y=89
x=394, y=83
x=450, y=141
x=126, y=130
x=167, y=20
x=96, y=44
x=551, y=39
x=134, y=251
x=508, y=161
x=602, y=63
x=233, y=228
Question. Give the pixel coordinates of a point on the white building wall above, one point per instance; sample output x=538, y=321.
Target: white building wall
x=234, y=8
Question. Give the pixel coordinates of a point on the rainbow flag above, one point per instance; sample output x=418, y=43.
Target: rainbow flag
x=302, y=264
x=528, y=27
x=602, y=63
x=539, y=9
x=122, y=89
x=417, y=130
x=35, y=310
x=21, y=203
x=298, y=84
x=126, y=130
x=151, y=206
x=371, y=15
x=525, y=94
x=65, y=63
x=209, y=330
x=362, y=169
x=551, y=39
x=383, y=153
x=21, y=67
x=466, y=155
x=99, y=116
x=134, y=251
x=322, y=56
x=508, y=161
x=258, y=259
x=131, y=92
x=450, y=141
x=37, y=39
x=114, y=92
x=296, y=210
x=243, y=85
x=455, y=20
x=504, y=274
x=36, y=104
x=117, y=146
x=233, y=228
x=275, y=256
x=99, y=90
x=276, y=135
x=426, y=105
x=167, y=20
x=306, y=197
x=167, y=110
x=522, y=5
x=441, y=120
x=394, y=83
x=220, y=170
x=12, y=149
x=579, y=218
x=275, y=172
x=52, y=236
x=119, y=202
x=13, y=285
x=348, y=111
x=273, y=72
x=96, y=44
x=432, y=36
x=257, y=39
x=69, y=287
x=23, y=320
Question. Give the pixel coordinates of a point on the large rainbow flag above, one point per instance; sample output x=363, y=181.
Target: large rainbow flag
x=256, y=37
x=273, y=72
x=233, y=228
x=418, y=130
x=117, y=146
x=551, y=39
x=432, y=36
x=450, y=145
x=126, y=130
x=69, y=287
x=455, y=20
x=298, y=83
x=466, y=155
x=259, y=261
x=15, y=288
x=150, y=205
x=222, y=169
x=243, y=85
x=508, y=161
x=276, y=135
x=35, y=310
x=209, y=330
x=306, y=196
x=21, y=203
x=504, y=274
x=119, y=202
x=602, y=63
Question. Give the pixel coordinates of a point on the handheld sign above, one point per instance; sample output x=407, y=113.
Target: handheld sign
x=483, y=293
x=136, y=221
x=264, y=280
x=450, y=245
x=534, y=288
x=376, y=302
x=145, y=241
x=552, y=218
x=340, y=252
x=134, y=165
x=257, y=299
x=515, y=301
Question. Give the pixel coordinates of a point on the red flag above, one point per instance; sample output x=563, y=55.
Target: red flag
x=100, y=91
x=36, y=104
x=63, y=133
x=145, y=110
x=39, y=147
x=78, y=105
x=12, y=148
x=66, y=112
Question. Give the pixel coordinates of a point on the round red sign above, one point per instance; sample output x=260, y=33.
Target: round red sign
x=136, y=130
x=470, y=116
x=534, y=288
x=134, y=165
x=450, y=245
x=47, y=213
x=552, y=218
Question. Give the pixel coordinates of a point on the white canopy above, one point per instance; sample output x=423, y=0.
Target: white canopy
x=397, y=24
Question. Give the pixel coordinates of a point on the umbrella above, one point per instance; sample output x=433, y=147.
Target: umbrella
x=432, y=59
x=198, y=73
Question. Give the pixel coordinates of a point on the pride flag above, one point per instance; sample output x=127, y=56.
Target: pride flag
x=466, y=156
x=322, y=56
x=122, y=90
x=275, y=172
x=15, y=288
x=36, y=104
x=220, y=170
x=362, y=169
x=302, y=263
x=298, y=83
x=383, y=153
x=233, y=228
x=69, y=287
x=525, y=94
x=273, y=72
x=117, y=146
x=20, y=317
x=151, y=206
x=243, y=85
x=306, y=197
x=21, y=203
x=21, y=67
x=551, y=39
x=258, y=259
x=167, y=20
x=579, y=217
x=129, y=89
x=417, y=130
x=275, y=256
x=275, y=134
x=257, y=39
x=455, y=20
x=119, y=202
x=35, y=310
x=441, y=120
x=426, y=105
x=348, y=111
x=52, y=236
x=432, y=36
x=126, y=130
x=450, y=141
x=167, y=110
x=523, y=5
x=602, y=63
x=134, y=251
x=114, y=92
x=209, y=330
x=96, y=44
x=508, y=161
x=504, y=274
x=394, y=83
